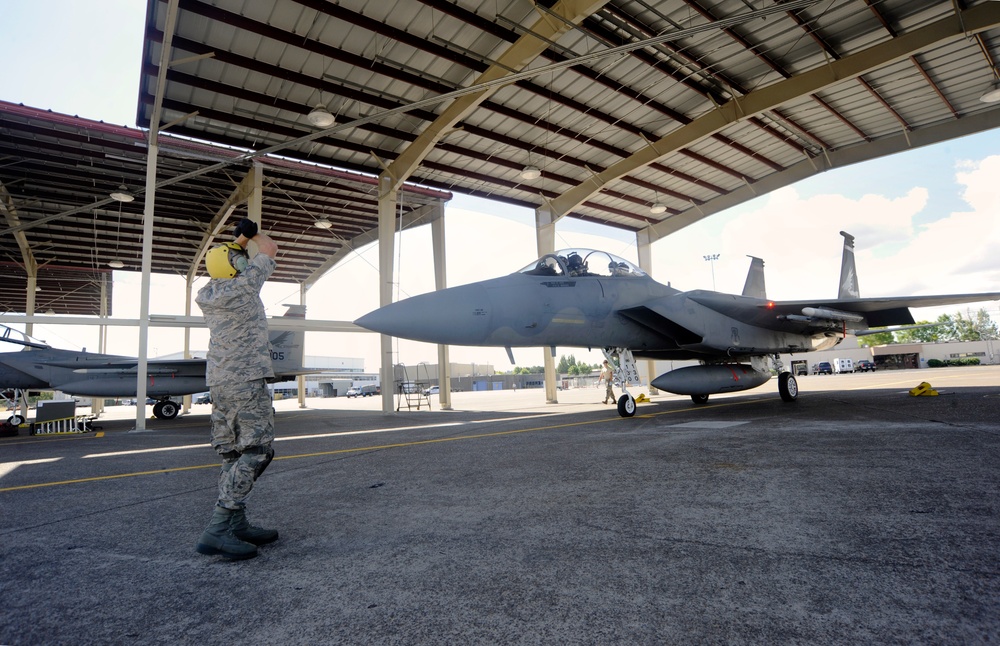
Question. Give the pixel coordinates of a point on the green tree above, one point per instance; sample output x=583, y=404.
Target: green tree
x=967, y=328
x=920, y=335
x=879, y=338
x=565, y=363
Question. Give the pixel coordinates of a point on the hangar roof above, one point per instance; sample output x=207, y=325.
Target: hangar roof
x=645, y=115
x=57, y=173
x=620, y=104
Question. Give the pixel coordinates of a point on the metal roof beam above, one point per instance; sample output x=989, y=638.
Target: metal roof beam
x=518, y=56
x=971, y=21
x=413, y=218
x=239, y=195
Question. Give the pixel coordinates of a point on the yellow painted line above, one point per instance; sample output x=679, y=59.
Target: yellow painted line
x=48, y=437
x=379, y=447
x=112, y=477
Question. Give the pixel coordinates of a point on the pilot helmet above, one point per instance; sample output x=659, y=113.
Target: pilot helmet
x=226, y=260
x=574, y=262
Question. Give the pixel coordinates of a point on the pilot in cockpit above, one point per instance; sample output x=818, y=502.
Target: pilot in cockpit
x=576, y=265
x=545, y=268
x=618, y=268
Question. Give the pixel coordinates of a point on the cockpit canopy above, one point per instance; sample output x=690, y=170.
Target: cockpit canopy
x=582, y=262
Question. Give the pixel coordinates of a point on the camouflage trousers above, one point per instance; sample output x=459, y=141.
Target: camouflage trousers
x=609, y=393
x=242, y=433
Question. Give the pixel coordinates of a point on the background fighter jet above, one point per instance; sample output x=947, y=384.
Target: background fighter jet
x=40, y=367
x=584, y=298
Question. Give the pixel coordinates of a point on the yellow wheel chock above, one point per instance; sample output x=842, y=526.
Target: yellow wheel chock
x=641, y=398
x=923, y=390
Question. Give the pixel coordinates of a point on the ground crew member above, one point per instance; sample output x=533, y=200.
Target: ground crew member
x=237, y=372
x=607, y=375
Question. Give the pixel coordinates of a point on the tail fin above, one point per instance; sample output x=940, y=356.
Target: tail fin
x=755, y=279
x=848, y=273
x=288, y=347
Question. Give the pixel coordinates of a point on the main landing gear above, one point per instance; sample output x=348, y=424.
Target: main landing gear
x=788, y=387
x=166, y=409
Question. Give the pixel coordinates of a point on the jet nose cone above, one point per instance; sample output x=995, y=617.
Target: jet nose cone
x=383, y=320
x=456, y=316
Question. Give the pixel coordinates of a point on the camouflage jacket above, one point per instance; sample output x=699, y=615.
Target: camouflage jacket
x=238, y=349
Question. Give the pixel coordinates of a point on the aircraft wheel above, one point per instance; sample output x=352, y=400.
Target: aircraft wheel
x=626, y=405
x=165, y=409
x=16, y=420
x=699, y=399
x=788, y=387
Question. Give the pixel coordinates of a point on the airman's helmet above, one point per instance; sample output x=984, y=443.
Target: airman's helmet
x=226, y=260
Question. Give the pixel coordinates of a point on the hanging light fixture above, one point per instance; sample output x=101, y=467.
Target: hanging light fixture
x=657, y=208
x=323, y=224
x=992, y=94
x=115, y=263
x=122, y=194
x=531, y=172
x=321, y=117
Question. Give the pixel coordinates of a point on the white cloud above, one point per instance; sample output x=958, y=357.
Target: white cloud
x=798, y=238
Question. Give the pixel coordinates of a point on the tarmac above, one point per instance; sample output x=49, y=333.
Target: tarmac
x=858, y=514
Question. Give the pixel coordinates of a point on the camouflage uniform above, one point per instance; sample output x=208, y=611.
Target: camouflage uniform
x=608, y=375
x=238, y=367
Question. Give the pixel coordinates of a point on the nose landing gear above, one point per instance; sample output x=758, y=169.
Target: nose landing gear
x=626, y=372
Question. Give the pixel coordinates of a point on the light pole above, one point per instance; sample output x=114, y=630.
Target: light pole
x=712, y=258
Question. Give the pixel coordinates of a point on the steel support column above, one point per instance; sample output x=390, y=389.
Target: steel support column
x=147, y=263
x=644, y=248
x=545, y=238
x=386, y=250
x=441, y=282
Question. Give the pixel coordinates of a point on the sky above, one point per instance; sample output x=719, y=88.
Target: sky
x=926, y=221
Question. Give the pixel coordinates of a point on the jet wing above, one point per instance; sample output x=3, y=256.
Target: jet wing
x=802, y=316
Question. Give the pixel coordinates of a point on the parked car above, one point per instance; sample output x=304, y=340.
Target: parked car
x=864, y=366
x=204, y=398
x=354, y=392
x=433, y=390
x=369, y=390
x=823, y=368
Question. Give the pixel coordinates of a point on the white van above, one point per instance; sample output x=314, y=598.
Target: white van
x=842, y=365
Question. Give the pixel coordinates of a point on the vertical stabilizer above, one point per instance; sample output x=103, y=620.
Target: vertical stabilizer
x=848, y=274
x=287, y=346
x=755, y=279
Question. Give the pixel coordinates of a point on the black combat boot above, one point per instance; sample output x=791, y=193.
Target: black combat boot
x=241, y=528
x=218, y=538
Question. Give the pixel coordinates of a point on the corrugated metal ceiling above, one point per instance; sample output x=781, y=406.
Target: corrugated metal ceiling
x=266, y=65
x=726, y=105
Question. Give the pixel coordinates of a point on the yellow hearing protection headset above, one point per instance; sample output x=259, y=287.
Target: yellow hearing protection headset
x=217, y=261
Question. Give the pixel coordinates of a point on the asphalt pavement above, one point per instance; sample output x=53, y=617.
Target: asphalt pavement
x=858, y=514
